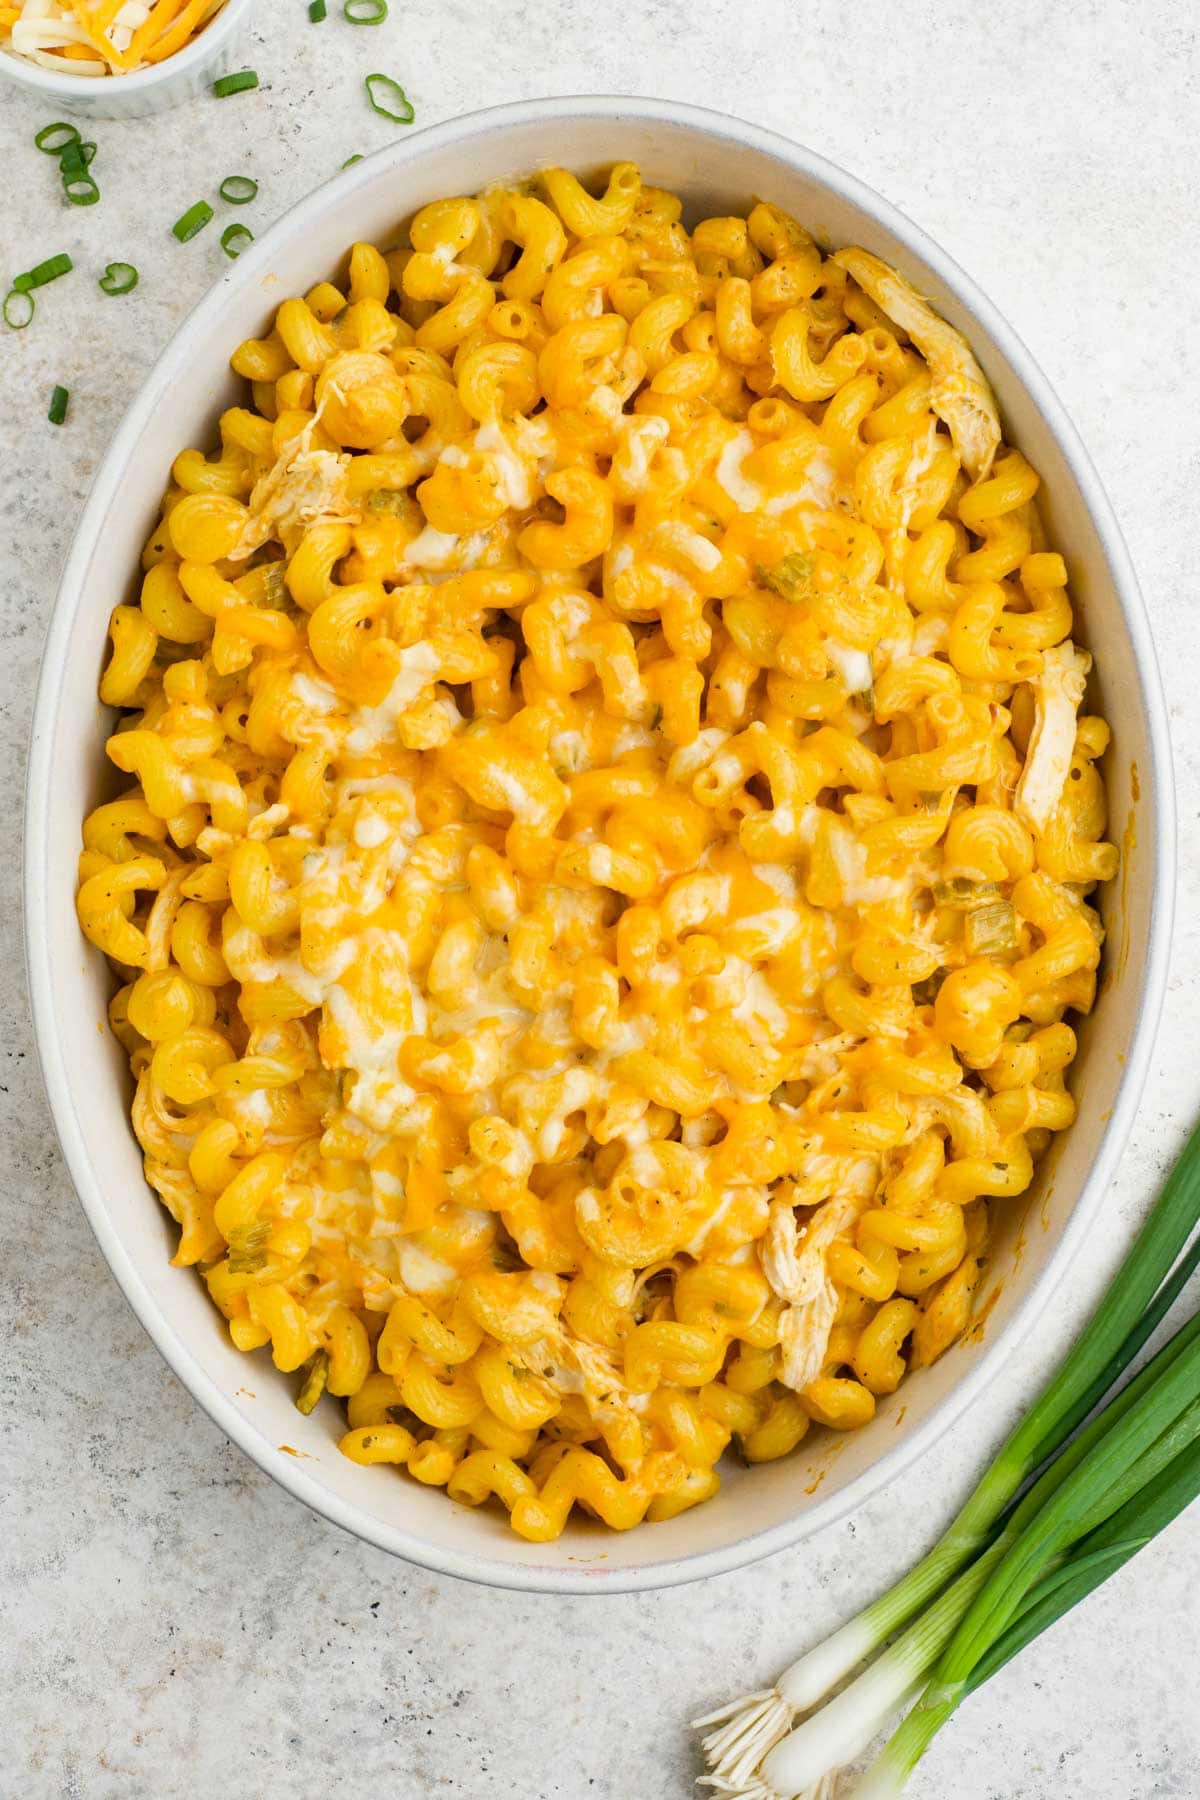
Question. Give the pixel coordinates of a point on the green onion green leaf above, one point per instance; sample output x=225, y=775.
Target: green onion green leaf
x=389, y=99
x=43, y=272
x=119, y=278
x=58, y=405
x=76, y=158
x=316, y=1374
x=351, y=160
x=53, y=139
x=193, y=220
x=17, y=309
x=81, y=190
x=238, y=190
x=1097, y=1557
x=234, y=240
x=316, y=11
x=235, y=84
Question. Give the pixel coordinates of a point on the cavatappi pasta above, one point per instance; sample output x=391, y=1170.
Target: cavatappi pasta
x=604, y=865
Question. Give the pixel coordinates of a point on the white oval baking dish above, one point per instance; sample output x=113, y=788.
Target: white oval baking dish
x=718, y=164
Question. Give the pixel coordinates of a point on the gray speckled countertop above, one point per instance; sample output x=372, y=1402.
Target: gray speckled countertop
x=174, y=1625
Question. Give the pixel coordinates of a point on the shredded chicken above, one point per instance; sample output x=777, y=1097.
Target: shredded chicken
x=572, y=1366
x=1058, y=692
x=961, y=395
x=793, y=1261
x=302, y=487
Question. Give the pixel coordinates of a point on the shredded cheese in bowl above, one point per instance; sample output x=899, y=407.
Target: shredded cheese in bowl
x=102, y=37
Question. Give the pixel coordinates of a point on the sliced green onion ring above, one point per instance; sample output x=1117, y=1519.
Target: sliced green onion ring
x=43, y=272
x=365, y=12
x=234, y=240
x=316, y=11
x=235, y=84
x=193, y=220
x=76, y=156
x=239, y=190
x=12, y=314
x=55, y=146
x=119, y=278
x=81, y=190
x=58, y=405
x=384, y=93
x=316, y=1374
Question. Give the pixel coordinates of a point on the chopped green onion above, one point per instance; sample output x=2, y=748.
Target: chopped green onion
x=235, y=84
x=991, y=930
x=962, y=895
x=234, y=240
x=76, y=158
x=385, y=502
x=365, y=12
x=12, y=314
x=316, y=1374
x=81, y=190
x=351, y=160
x=43, y=272
x=316, y=11
x=58, y=405
x=54, y=146
x=384, y=94
x=248, y=1247
x=238, y=189
x=119, y=278
x=193, y=220
x=791, y=579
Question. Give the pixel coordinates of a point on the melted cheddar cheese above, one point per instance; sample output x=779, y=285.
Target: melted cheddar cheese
x=606, y=860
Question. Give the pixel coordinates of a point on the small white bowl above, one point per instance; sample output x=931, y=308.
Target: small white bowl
x=718, y=165
x=185, y=75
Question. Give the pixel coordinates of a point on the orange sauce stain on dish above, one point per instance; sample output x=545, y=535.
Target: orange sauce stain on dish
x=1045, y=1214
x=1128, y=846
x=830, y=1453
x=977, y=1327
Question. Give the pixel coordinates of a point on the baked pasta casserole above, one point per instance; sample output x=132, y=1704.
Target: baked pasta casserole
x=604, y=860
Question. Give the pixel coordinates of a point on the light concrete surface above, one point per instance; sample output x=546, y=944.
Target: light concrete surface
x=173, y=1625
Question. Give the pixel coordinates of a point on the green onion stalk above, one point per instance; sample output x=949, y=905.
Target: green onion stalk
x=840, y=1731
x=747, y=1745
x=1130, y=1456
